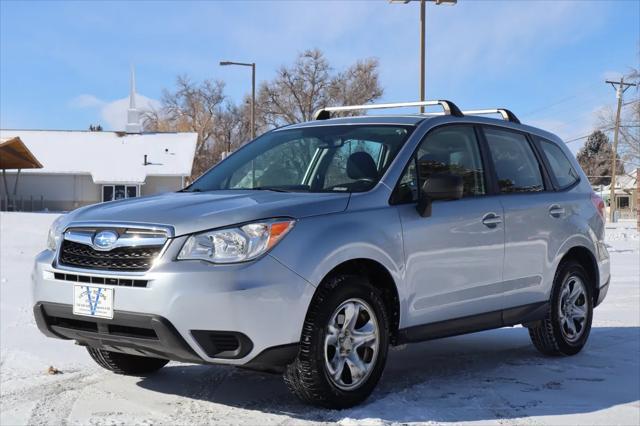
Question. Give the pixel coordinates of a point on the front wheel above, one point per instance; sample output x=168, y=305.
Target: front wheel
x=566, y=328
x=344, y=344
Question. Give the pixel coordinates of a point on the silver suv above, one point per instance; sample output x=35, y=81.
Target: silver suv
x=314, y=248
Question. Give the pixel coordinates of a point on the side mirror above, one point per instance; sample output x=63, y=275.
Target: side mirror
x=440, y=186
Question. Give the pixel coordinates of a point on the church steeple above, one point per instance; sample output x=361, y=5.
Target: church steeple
x=133, y=116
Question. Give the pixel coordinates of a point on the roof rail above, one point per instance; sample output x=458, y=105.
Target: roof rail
x=505, y=113
x=449, y=108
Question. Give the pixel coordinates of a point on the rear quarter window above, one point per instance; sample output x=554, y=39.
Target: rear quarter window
x=560, y=165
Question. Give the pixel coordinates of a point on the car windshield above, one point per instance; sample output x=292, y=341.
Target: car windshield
x=347, y=158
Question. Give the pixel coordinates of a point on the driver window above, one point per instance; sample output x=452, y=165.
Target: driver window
x=452, y=150
x=337, y=172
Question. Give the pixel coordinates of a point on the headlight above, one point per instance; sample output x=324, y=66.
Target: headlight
x=55, y=234
x=233, y=245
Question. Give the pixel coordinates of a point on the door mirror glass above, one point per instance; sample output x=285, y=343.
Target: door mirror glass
x=439, y=186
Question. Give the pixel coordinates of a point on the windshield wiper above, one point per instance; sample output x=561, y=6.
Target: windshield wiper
x=270, y=188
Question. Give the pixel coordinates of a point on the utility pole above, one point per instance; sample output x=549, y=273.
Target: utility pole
x=620, y=87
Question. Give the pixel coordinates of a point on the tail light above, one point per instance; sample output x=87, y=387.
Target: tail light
x=598, y=203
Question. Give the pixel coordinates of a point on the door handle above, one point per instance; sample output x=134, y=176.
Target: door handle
x=491, y=220
x=556, y=211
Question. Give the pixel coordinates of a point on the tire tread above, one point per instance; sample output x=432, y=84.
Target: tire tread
x=125, y=364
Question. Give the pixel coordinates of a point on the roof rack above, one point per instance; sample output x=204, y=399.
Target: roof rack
x=449, y=108
x=505, y=113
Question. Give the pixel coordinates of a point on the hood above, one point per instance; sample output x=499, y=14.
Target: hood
x=189, y=212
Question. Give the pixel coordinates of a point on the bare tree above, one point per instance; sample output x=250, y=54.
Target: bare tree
x=194, y=108
x=292, y=97
x=233, y=128
x=298, y=90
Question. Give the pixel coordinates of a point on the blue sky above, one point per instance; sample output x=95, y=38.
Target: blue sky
x=64, y=65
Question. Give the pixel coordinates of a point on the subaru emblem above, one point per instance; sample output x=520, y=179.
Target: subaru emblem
x=105, y=240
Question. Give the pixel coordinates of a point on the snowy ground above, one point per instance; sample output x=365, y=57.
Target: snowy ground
x=494, y=377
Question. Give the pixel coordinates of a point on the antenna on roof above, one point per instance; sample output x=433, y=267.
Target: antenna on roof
x=133, y=116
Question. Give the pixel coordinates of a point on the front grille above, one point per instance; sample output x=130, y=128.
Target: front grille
x=130, y=259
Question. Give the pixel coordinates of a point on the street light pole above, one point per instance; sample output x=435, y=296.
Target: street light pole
x=422, y=51
x=423, y=24
x=253, y=100
x=253, y=91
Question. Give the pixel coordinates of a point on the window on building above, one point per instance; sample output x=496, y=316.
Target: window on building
x=515, y=163
x=118, y=192
x=622, y=202
x=562, y=169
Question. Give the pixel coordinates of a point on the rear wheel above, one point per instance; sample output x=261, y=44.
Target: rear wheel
x=126, y=364
x=344, y=344
x=566, y=328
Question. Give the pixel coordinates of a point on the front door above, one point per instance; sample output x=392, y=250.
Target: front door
x=454, y=258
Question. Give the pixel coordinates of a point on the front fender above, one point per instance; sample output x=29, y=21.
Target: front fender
x=318, y=244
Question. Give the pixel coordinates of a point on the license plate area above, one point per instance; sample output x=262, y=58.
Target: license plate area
x=93, y=301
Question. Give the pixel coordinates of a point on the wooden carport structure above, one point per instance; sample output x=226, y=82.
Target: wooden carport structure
x=14, y=155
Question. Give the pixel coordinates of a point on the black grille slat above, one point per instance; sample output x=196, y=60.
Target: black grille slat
x=110, y=330
x=132, y=259
x=124, y=282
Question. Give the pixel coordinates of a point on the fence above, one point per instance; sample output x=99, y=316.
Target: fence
x=22, y=204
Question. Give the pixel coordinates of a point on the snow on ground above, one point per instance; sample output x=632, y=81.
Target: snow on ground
x=494, y=377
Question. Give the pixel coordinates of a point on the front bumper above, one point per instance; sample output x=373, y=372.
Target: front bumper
x=262, y=303
x=127, y=332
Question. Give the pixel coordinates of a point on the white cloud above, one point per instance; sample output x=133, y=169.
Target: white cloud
x=85, y=101
x=113, y=113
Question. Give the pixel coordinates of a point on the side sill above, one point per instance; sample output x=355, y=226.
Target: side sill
x=473, y=323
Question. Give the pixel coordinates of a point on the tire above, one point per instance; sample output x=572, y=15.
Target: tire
x=309, y=377
x=126, y=364
x=553, y=335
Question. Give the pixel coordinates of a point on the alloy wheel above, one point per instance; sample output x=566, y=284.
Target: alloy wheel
x=351, y=344
x=573, y=308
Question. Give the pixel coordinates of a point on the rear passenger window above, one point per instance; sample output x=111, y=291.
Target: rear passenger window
x=560, y=165
x=516, y=165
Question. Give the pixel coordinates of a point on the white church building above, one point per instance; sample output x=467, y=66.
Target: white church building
x=86, y=167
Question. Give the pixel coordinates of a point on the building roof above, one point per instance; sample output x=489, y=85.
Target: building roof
x=109, y=157
x=627, y=180
x=15, y=155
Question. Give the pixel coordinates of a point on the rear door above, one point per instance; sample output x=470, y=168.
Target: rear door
x=454, y=257
x=531, y=214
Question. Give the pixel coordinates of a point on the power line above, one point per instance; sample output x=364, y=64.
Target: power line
x=605, y=129
x=560, y=101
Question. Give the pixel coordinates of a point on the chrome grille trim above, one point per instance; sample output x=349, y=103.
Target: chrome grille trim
x=142, y=226
x=125, y=240
x=138, y=248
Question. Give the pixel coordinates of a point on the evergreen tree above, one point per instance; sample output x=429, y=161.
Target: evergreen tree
x=595, y=159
